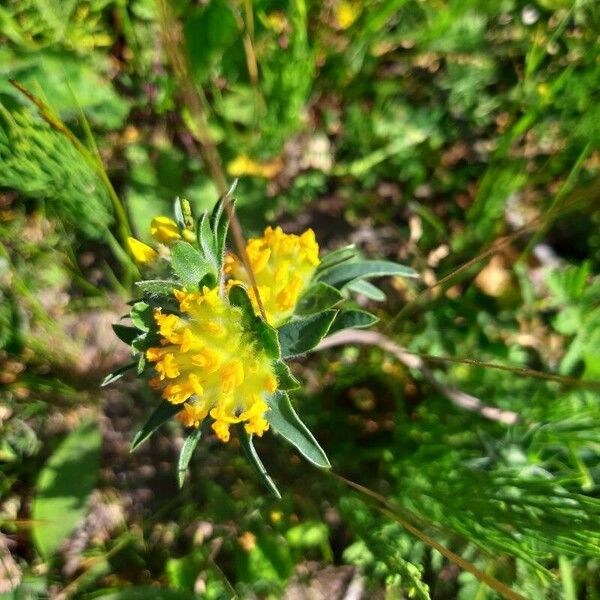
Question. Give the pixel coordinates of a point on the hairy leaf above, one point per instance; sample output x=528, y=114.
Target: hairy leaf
x=283, y=419
x=340, y=275
x=301, y=335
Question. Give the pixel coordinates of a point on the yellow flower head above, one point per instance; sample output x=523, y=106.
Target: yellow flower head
x=141, y=252
x=283, y=265
x=208, y=363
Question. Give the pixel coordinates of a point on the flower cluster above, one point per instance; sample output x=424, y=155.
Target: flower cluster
x=208, y=363
x=283, y=265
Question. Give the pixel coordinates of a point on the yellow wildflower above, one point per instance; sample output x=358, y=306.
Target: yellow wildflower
x=141, y=252
x=283, y=266
x=208, y=363
x=346, y=13
x=243, y=165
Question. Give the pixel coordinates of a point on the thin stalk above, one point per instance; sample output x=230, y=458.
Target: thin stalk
x=553, y=211
x=195, y=102
x=497, y=245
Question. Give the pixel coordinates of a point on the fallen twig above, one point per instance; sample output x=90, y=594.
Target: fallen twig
x=412, y=361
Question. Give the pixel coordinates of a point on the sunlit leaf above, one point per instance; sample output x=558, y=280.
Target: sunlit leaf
x=283, y=419
x=63, y=488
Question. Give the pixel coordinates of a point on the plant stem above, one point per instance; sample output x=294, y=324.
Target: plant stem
x=193, y=97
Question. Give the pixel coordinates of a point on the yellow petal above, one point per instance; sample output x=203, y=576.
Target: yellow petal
x=141, y=252
x=164, y=230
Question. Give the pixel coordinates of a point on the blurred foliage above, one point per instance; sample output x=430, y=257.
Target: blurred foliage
x=420, y=131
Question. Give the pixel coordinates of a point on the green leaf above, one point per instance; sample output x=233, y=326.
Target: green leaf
x=188, y=263
x=163, y=412
x=301, y=335
x=285, y=379
x=206, y=241
x=125, y=333
x=340, y=275
x=117, y=374
x=254, y=460
x=318, y=297
x=265, y=334
x=352, y=319
x=360, y=286
x=158, y=287
x=284, y=421
x=142, y=316
x=219, y=220
x=337, y=257
x=191, y=441
x=146, y=340
x=63, y=488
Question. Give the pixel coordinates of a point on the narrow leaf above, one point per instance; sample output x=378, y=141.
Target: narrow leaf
x=163, y=412
x=317, y=298
x=178, y=211
x=188, y=263
x=337, y=257
x=207, y=241
x=340, y=275
x=117, y=374
x=352, y=319
x=191, y=441
x=220, y=225
x=284, y=421
x=360, y=286
x=254, y=460
x=301, y=335
x=125, y=333
x=285, y=378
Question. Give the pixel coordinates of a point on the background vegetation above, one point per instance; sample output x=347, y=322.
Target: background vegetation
x=460, y=137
